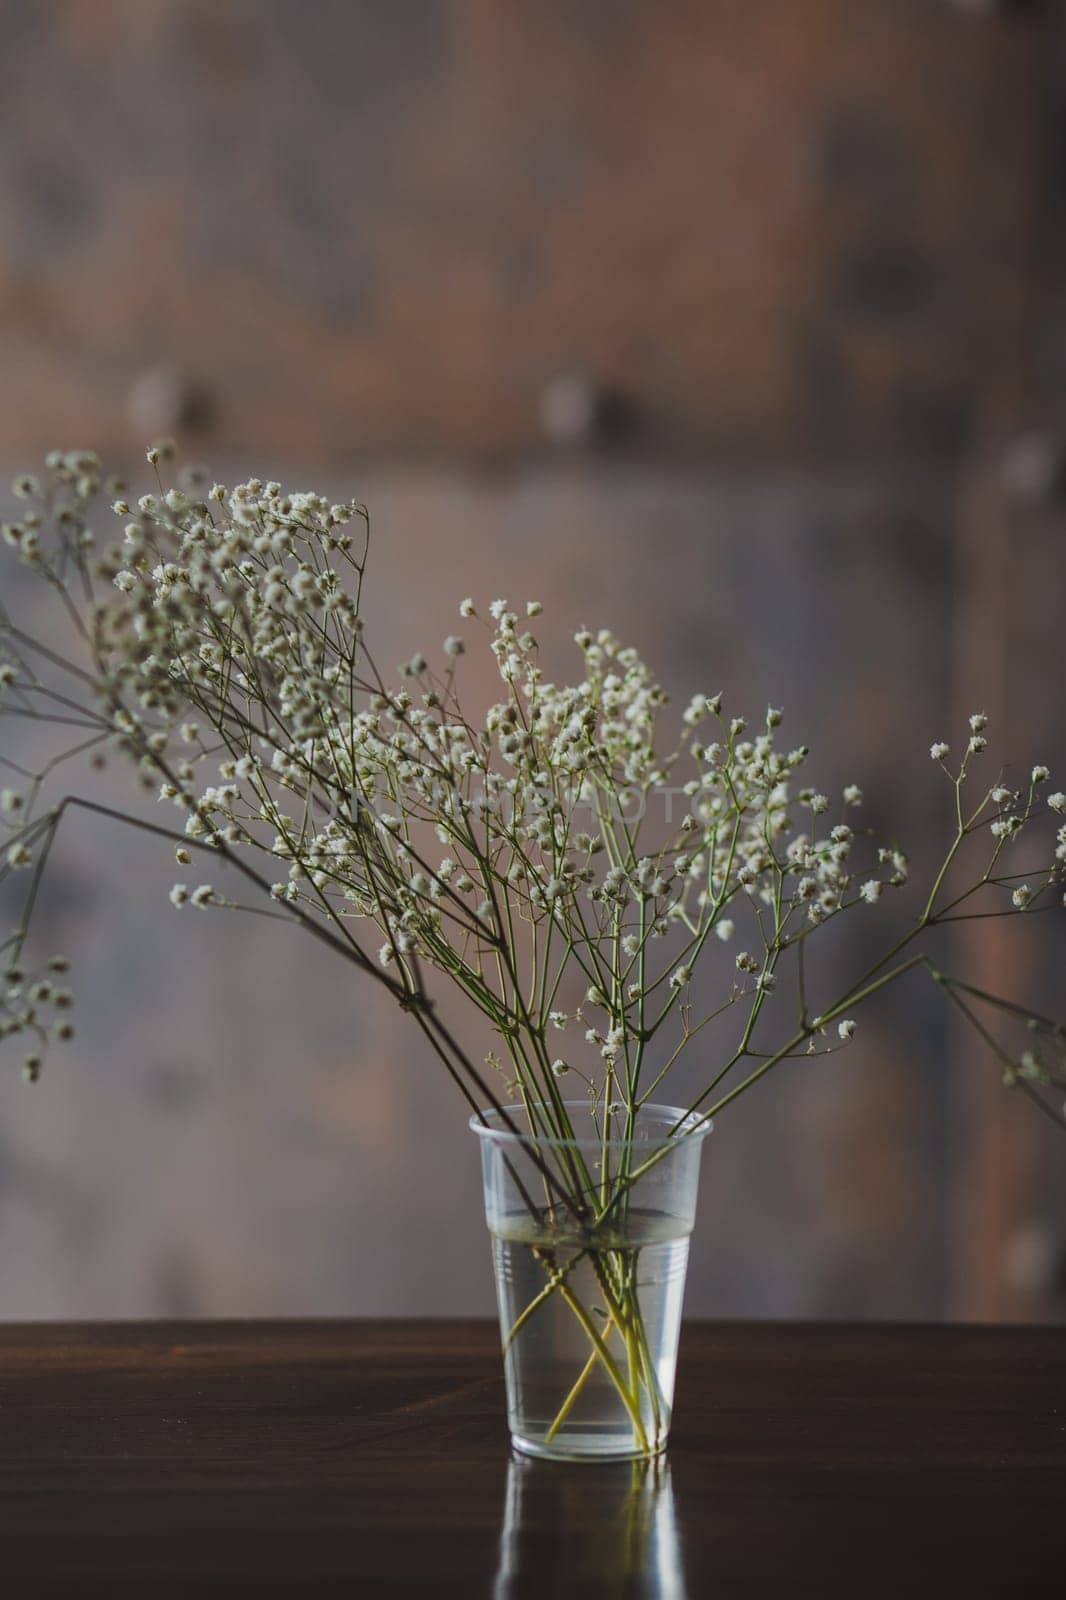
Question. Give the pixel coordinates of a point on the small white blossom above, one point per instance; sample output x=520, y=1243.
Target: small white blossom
x=1041, y=774
x=871, y=891
x=977, y=743
x=1022, y=896
x=680, y=976
x=612, y=1044
x=453, y=645
x=466, y=608
x=853, y=795
x=846, y=1029
x=978, y=722
x=203, y=895
x=1057, y=802
x=179, y=894
x=725, y=929
x=939, y=750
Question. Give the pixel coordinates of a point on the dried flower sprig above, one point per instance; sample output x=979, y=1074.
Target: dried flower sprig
x=562, y=859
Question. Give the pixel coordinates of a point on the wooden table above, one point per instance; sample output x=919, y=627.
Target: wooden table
x=371, y=1458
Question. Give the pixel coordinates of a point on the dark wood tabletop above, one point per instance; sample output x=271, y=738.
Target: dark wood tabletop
x=371, y=1458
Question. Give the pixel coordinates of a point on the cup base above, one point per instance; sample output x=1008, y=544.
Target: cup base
x=591, y=1448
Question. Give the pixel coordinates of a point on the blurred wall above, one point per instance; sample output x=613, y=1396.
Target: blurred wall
x=741, y=328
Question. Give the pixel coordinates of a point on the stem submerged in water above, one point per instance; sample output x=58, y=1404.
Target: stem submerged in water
x=617, y=1277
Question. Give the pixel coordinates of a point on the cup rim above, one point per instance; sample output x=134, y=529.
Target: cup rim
x=481, y=1124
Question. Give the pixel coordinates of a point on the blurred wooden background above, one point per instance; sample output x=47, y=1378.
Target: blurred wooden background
x=739, y=327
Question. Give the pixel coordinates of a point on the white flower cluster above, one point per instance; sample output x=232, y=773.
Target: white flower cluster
x=561, y=833
x=36, y=1010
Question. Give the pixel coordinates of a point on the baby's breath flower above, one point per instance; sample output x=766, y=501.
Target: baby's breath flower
x=977, y=743
x=228, y=610
x=939, y=750
x=978, y=722
x=1022, y=896
x=846, y=1029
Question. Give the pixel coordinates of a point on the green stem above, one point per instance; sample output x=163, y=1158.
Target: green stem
x=610, y=1364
